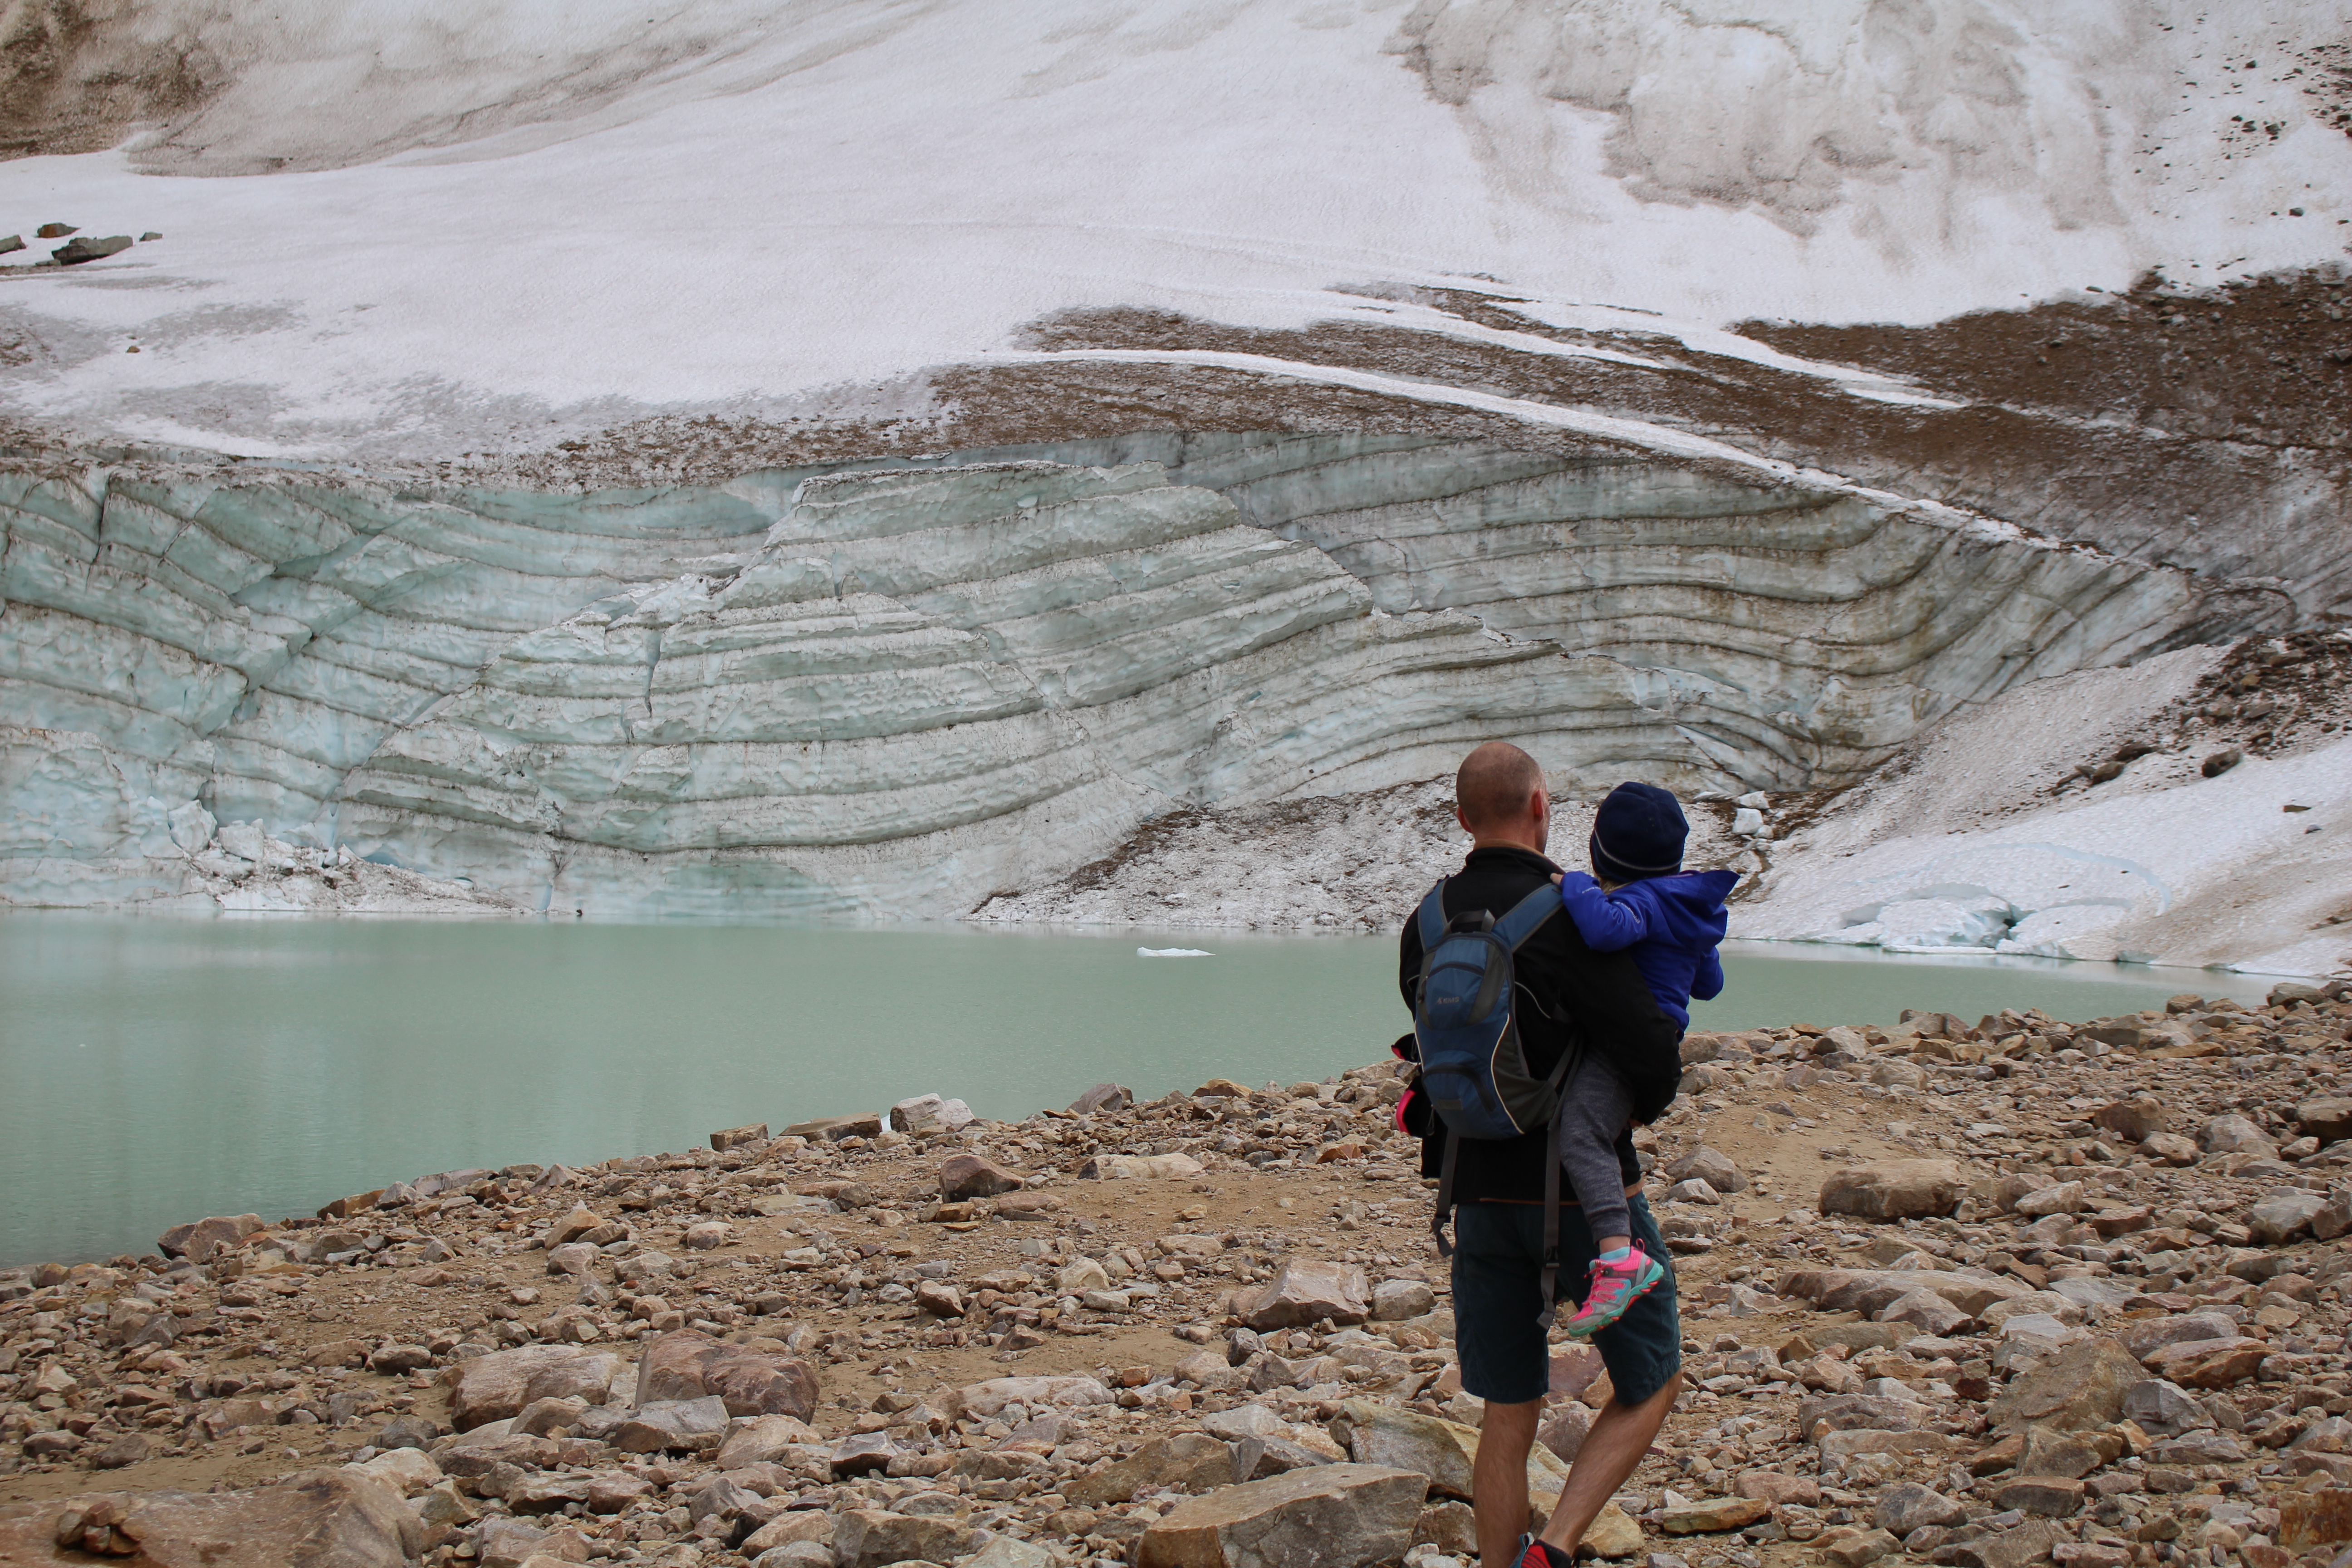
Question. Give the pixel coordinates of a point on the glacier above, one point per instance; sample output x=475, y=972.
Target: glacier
x=910, y=687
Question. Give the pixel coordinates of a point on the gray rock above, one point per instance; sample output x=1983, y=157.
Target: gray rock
x=2197, y=1449
x=2233, y=1134
x=2161, y=1407
x=1394, y=1300
x=1710, y=1166
x=2283, y=1216
x=1332, y=1515
x=870, y=1538
x=671, y=1425
x=1906, y=1506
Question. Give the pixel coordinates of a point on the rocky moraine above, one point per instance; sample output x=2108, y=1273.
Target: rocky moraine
x=1981, y=1294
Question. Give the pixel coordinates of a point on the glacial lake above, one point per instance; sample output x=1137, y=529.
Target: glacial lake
x=154, y=1069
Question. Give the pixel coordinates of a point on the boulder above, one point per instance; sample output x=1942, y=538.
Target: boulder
x=1139, y=1168
x=2208, y=1363
x=496, y=1386
x=1710, y=1166
x=686, y=1363
x=2025, y=1544
x=2233, y=1134
x=2322, y=1518
x=2133, y=1119
x=2150, y=1335
x=1894, y=1189
x=870, y=1538
x=930, y=1113
x=1869, y=1289
x=1712, y=1516
x=986, y=1399
x=760, y=1439
x=2283, y=1216
x=325, y=1518
x=1563, y=1429
x=1927, y=1312
x=963, y=1176
x=200, y=1240
x=2081, y=1389
x=2047, y=1496
x=1330, y=1516
x=664, y=1425
x=1611, y=1535
x=1102, y=1097
x=2328, y=1118
x=1775, y=1488
x=1191, y=1462
x=1393, y=1300
x=1304, y=1293
x=2059, y=1197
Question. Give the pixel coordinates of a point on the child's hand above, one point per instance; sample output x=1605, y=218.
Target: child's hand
x=1555, y=878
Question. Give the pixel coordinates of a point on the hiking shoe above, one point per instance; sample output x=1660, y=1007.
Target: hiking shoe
x=1535, y=1554
x=1614, y=1286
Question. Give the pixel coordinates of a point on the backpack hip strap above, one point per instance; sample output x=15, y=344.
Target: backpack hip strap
x=1551, y=1224
x=1437, y=1222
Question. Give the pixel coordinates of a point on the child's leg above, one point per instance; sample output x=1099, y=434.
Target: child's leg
x=1593, y=1111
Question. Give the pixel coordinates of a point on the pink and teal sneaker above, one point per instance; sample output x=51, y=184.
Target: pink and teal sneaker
x=1615, y=1286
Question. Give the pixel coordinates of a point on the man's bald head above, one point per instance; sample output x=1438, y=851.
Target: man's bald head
x=1497, y=789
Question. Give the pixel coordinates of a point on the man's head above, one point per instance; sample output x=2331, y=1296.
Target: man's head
x=1498, y=797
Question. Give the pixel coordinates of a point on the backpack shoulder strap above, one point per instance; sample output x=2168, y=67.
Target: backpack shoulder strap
x=1528, y=915
x=1431, y=917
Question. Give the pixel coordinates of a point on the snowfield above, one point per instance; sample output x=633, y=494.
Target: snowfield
x=476, y=223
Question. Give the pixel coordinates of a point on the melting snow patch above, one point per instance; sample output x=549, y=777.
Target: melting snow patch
x=1172, y=952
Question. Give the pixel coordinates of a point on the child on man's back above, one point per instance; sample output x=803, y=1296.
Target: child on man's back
x=1670, y=922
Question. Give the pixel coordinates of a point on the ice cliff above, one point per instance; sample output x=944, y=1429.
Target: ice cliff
x=909, y=688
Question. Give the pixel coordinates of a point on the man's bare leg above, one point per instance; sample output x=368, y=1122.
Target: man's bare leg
x=1613, y=1447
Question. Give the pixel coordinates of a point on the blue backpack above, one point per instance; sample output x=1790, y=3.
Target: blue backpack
x=1473, y=1068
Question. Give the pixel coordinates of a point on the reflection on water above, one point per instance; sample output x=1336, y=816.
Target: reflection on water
x=153, y=1070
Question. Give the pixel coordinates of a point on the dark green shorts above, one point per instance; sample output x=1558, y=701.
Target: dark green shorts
x=1498, y=1291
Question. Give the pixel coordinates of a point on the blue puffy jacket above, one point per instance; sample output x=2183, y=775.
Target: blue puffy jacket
x=1669, y=926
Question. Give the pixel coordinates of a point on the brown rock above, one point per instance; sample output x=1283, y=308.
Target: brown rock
x=495, y=1387
x=686, y=1363
x=1772, y=1487
x=2133, y=1119
x=198, y=1242
x=1563, y=1429
x=1712, y=1516
x=1859, y=1548
x=2314, y=1519
x=1449, y=1526
x=1870, y=1289
x=1306, y=1292
x=2326, y=1118
x=864, y=1125
x=2047, y=1496
x=870, y=1538
x=760, y=1440
x=1611, y=1535
x=965, y=1176
x=939, y=1299
x=2083, y=1388
x=740, y=1137
x=2208, y=1363
x=1191, y=1462
x=1894, y=1189
x=2028, y=1543
x=327, y=1519
x=2170, y=1147
x=1328, y=1516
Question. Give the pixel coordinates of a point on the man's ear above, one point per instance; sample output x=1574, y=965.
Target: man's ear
x=1464, y=822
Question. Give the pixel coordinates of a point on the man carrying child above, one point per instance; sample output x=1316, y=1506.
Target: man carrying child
x=1571, y=991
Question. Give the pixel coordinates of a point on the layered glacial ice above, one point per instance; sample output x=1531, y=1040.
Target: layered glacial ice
x=907, y=688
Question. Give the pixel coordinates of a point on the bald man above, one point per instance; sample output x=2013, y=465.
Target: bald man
x=1501, y=802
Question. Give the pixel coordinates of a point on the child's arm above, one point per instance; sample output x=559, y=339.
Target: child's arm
x=1605, y=924
x=1708, y=983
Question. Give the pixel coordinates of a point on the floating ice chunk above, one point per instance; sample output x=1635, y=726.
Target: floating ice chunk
x=1172, y=952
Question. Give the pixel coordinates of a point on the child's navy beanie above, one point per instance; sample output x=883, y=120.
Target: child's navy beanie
x=1638, y=832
